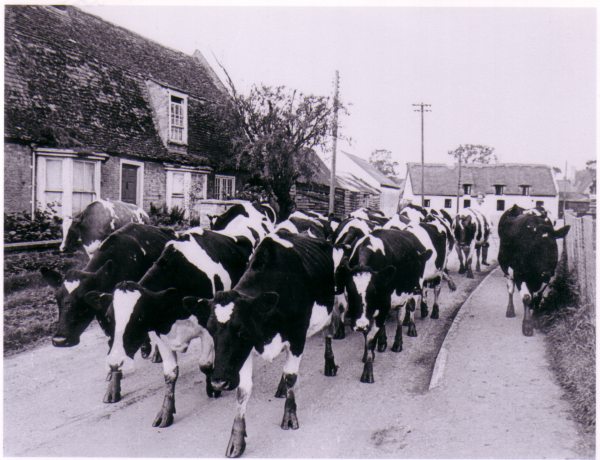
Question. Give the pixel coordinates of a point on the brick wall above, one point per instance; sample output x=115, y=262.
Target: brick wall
x=18, y=161
x=155, y=184
x=109, y=179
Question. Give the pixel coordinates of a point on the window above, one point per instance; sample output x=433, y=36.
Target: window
x=525, y=190
x=467, y=189
x=448, y=203
x=185, y=188
x=466, y=203
x=500, y=205
x=65, y=181
x=539, y=204
x=426, y=203
x=177, y=118
x=224, y=187
x=499, y=189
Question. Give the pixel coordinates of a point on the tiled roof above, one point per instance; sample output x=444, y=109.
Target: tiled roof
x=442, y=179
x=74, y=80
x=374, y=172
x=322, y=176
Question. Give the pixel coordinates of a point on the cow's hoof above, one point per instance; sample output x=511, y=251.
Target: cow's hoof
x=412, y=330
x=237, y=441
x=382, y=344
x=435, y=313
x=397, y=347
x=424, y=310
x=290, y=421
x=452, y=285
x=281, y=389
x=211, y=392
x=470, y=275
x=367, y=375
x=340, y=332
x=330, y=368
x=113, y=392
x=510, y=313
x=164, y=418
x=527, y=328
x=462, y=270
x=485, y=263
x=156, y=358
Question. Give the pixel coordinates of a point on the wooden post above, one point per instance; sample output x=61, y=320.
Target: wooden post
x=334, y=153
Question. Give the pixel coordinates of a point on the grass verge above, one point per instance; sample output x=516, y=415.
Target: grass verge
x=571, y=341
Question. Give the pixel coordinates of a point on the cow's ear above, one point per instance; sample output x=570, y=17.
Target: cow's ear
x=561, y=232
x=200, y=308
x=386, y=276
x=52, y=277
x=99, y=301
x=426, y=255
x=267, y=302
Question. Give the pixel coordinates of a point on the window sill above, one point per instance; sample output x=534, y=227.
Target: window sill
x=181, y=143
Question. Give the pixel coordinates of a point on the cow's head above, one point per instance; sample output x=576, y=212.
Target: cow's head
x=136, y=311
x=71, y=235
x=237, y=323
x=464, y=230
x=368, y=292
x=75, y=313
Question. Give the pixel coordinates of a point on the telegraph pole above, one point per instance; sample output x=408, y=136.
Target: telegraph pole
x=422, y=109
x=458, y=184
x=335, y=133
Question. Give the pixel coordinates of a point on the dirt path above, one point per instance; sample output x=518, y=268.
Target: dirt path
x=52, y=403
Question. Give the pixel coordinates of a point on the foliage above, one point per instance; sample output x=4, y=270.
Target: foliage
x=273, y=133
x=162, y=216
x=571, y=336
x=474, y=153
x=21, y=226
x=382, y=160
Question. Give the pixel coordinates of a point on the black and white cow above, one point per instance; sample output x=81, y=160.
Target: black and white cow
x=126, y=254
x=434, y=235
x=285, y=296
x=244, y=218
x=471, y=231
x=385, y=268
x=98, y=220
x=373, y=215
x=300, y=222
x=198, y=263
x=528, y=256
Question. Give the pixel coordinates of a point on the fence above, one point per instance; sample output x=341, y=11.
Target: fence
x=580, y=245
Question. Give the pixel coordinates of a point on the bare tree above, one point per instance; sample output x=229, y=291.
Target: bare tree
x=382, y=160
x=474, y=153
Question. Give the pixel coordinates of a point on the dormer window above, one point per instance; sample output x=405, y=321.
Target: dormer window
x=525, y=190
x=177, y=118
x=467, y=189
x=499, y=189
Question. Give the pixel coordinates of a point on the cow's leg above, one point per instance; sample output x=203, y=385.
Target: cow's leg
x=397, y=346
x=156, y=358
x=382, y=339
x=468, y=261
x=330, y=366
x=484, y=253
x=414, y=303
x=527, y=302
x=290, y=376
x=406, y=320
x=478, y=256
x=206, y=361
x=449, y=280
x=339, y=314
x=459, y=252
x=164, y=418
x=113, y=392
x=510, y=309
x=146, y=348
x=237, y=440
x=424, y=298
x=370, y=338
x=435, y=313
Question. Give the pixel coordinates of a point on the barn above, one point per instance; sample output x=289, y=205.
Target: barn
x=93, y=110
x=492, y=188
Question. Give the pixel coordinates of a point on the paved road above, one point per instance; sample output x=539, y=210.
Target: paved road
x=52, y=402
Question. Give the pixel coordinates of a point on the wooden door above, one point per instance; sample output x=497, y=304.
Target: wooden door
x=129, y=183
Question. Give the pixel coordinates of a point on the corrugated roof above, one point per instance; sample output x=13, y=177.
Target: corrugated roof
x=374, y=172
x=74, y=80
x=442, y=179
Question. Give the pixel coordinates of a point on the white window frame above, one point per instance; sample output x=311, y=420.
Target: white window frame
x=223, y=177
x=140, y=180
x=467, y=189
x=67, y=157
x=184, y=107
x=187, y=186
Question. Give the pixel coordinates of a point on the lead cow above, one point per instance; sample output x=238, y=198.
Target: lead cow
x=98, y=220
x=528, y=257
x=284, y=297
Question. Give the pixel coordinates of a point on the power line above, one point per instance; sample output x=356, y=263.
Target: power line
x=422, y=109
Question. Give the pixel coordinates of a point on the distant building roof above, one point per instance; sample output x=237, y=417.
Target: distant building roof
x=74, y=80
x=442, y=179
x=584, y=180
x=384, y=180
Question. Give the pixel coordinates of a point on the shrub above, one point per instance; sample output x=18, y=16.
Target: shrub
x=21, y=226
x=161, y=216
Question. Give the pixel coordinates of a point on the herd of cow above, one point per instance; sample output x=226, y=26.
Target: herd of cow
x=254, y=286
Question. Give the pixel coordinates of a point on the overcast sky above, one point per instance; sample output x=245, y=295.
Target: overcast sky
x=518, y=79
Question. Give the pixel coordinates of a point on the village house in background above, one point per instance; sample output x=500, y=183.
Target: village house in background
x=93, y=110
x=491, y=188
x=579, y=195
